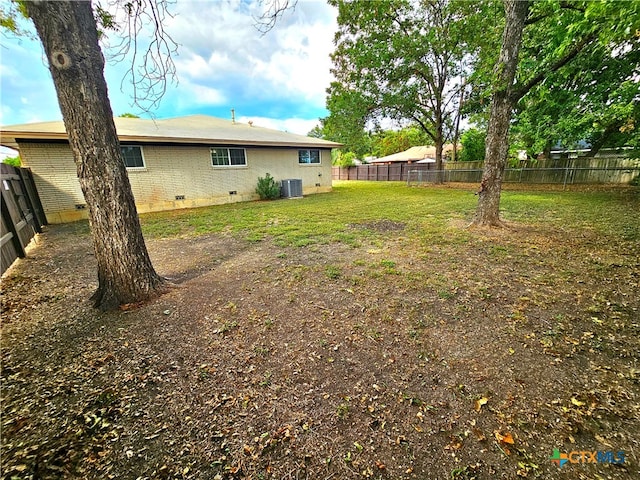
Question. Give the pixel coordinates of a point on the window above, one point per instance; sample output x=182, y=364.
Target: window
x=132, y=156
x=308, y=156
x=234, y=157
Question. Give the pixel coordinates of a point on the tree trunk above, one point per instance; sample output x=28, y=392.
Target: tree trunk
x=439, y=164
x=502, y=104
x=547, y=150
x=68, y=33
x=597, y=145
x=456, y=129
x=439, y=144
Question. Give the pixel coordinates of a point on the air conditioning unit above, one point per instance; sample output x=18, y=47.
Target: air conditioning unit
x=291, y=188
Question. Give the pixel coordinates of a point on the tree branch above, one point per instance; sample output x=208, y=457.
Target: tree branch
x=571, y=6
x=532, y=20
x=274, y=9
x=152, y=69
x=518, y=93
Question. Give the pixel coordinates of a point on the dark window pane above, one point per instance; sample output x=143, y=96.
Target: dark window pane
x=132, y=157
x=308, y=156
x=303, y=156
x=237, y=156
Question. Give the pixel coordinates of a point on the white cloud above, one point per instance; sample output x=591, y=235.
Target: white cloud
x=7, y=152
x=292, y=60
x=223, y=62
x=205, y=95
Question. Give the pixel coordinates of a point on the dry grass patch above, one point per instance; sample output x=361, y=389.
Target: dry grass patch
x=427, y=351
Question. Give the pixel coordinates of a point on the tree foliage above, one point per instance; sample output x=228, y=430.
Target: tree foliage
x=343, y=159
x=388, y=142
x=473, y=146
x=375, y=144
x=13, y=161
x=594, y=99
x=554, y=36
x=347, y=122
x=10, y=15
x=401, y=60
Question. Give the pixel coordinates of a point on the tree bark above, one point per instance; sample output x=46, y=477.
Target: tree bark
x=69, y=35
x=456, y=129
x=503, y=101
x=439, y=178
x=597, y=145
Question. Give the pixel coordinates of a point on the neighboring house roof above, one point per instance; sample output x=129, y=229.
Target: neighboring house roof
x=422, y=154
x=193, y=129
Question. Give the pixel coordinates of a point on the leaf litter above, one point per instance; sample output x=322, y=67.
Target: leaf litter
x=459, y=361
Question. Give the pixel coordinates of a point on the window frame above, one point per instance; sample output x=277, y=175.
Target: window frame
x=309, y=150
x=229, y=158
x=144, y=162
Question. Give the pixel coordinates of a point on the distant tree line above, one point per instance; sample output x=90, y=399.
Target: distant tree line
x=430, y=65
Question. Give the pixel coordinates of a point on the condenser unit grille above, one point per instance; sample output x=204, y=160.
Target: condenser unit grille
x=291, y=188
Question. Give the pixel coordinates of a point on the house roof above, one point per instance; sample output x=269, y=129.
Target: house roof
x=193, y=129
x=414, y=154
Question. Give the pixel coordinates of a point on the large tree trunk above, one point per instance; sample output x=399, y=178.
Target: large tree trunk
x=68, y=33
x=502, y=104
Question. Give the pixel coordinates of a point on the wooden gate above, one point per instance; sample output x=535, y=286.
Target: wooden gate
x=22, y=213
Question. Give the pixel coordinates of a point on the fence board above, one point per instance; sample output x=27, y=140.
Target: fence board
x=22, y=213
x=559, y=171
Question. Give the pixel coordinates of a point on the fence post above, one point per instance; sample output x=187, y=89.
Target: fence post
x=33, y=200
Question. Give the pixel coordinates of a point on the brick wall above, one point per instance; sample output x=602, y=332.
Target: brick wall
x=170, y=171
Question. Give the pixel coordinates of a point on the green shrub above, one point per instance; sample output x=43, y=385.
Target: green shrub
x=268, y=188
x=15, y=161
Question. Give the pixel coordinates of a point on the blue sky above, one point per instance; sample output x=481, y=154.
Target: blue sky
x=277, y=80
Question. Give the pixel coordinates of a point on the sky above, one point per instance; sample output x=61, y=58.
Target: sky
x=277, y=80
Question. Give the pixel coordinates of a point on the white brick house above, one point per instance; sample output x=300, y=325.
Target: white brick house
x=174, y=163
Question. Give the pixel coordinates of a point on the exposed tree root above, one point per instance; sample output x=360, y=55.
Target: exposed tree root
x=105, y=298
x=497, y=223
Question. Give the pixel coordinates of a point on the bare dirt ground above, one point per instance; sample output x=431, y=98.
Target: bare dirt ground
x=451, y=360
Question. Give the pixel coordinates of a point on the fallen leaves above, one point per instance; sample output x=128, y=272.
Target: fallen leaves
x=577, y=402
x=504, y=438
x=262, y=381
x=477, y=405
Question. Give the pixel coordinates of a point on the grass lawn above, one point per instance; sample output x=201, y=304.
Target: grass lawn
x=426, y=211
x=362, y=333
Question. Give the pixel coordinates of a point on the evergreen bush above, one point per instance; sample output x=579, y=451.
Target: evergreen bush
x=268, y=188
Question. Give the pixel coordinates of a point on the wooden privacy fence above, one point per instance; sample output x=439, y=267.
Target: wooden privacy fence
x=22, y=213
x=393, y=172
x=560, y=171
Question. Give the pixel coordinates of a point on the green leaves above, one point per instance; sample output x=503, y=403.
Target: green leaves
x=591, y=97
x=402, y=61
